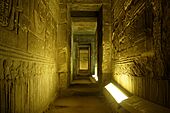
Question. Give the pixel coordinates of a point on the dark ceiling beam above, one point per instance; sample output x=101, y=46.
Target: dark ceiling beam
x=84, y=19
x=84, y=13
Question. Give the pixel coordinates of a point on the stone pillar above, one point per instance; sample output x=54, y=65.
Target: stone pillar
x=63, y=45
x=106, y=43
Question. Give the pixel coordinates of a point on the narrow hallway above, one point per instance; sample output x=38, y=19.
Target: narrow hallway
x=82, y=96
x=84, y=56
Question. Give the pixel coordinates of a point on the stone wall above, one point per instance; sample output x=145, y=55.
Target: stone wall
x=140, y=48
x=106, y=43
x=63, y=46
x=28, y=79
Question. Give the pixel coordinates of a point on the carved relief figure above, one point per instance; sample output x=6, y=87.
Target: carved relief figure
x=6, y=66
x=14, y=69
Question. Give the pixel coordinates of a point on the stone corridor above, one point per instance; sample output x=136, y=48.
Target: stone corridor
x=81, y=97
x=69, y=56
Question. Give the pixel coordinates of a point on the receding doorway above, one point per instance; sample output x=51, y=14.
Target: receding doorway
x=84, y=60
x=86, y=29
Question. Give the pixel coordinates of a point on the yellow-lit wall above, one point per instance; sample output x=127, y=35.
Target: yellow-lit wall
x=28, y=70
x=140, y=45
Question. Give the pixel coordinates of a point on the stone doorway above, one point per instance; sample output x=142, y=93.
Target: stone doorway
x=84, y=60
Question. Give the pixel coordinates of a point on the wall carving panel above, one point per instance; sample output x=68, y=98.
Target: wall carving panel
x=28, y=74
x=25, y=86
x=140, y=50
x=5, y=12
x=9, y=14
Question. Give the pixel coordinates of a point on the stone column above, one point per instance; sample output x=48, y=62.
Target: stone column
x=62, y=45
x=106, y=43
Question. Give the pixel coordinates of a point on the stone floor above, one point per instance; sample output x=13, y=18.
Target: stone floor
x=82, y=97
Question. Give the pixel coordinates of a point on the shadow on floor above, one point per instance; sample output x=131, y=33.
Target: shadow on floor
x=81, y=97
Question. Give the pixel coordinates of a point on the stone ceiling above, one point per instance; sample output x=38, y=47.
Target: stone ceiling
x=84, y=25
x=85, y=7
x=84, y=20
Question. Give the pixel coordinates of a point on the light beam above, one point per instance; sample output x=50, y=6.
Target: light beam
x=117, y=94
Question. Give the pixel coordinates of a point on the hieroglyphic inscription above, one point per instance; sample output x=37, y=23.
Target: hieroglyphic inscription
x=9, y=14
x=5, y=12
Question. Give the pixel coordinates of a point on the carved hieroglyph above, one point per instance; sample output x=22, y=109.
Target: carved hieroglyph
x=9, y=13
x=5, y=12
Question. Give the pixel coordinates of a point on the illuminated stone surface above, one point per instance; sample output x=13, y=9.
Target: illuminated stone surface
x=28, y=74
x=140, y=42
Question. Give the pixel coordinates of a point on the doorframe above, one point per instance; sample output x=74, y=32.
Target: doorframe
x=84, y=72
